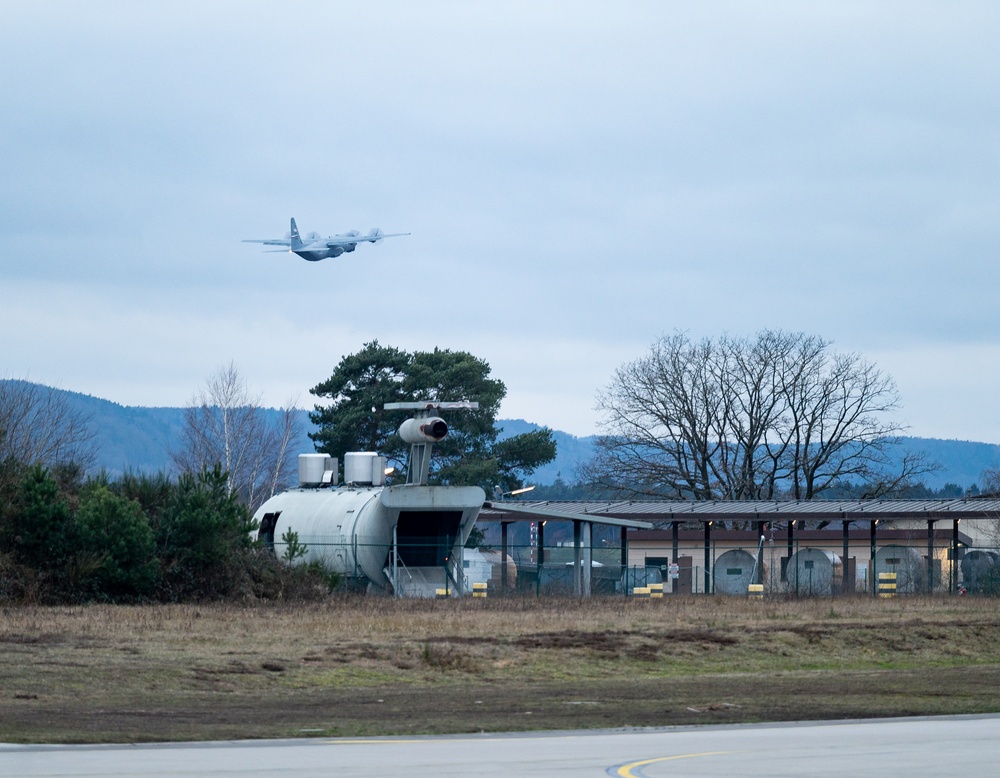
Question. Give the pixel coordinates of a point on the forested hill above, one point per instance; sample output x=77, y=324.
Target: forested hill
x=141, y=439
x=961, y=462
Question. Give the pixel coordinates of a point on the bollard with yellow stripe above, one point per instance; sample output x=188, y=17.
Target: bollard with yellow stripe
x=441, y=594
x=479, y=589
x=655, y=591
x=755, y=591
x=642, y=592
x=886, y=584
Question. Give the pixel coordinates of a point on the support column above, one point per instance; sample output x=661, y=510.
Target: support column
x=577, y=559
x=503, y=556
x=953, y=582
x=395, y=565
x=587, y=561
x=708, y=557
x=624, y=542
x=759, y=553
x=791, y=545
x=843, y=559
x=930, y=556
x=675, y=538
x=872, y=573
x=539, y=558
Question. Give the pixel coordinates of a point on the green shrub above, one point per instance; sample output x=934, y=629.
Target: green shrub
x=114, y=551
x=201, y=537
x=38, y=531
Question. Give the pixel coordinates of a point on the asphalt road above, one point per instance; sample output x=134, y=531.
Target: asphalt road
x=958, y=745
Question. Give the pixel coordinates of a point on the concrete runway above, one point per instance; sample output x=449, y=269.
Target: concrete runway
x=959, y=745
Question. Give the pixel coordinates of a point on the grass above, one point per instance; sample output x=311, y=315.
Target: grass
x=375, y=666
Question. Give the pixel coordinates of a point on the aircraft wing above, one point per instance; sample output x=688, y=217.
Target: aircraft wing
x=273, y=242
x=371, y=237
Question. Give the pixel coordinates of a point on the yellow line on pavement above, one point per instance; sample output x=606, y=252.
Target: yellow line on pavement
x=625, y=771
x=365, y=742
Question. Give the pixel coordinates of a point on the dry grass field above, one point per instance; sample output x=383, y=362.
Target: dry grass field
x=374, y=666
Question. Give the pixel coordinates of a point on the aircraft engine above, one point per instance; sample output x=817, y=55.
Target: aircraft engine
x=336, y=251
x=430, y=430
x=350, y=247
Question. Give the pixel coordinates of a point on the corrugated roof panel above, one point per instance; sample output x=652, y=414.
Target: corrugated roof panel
x=982, y=508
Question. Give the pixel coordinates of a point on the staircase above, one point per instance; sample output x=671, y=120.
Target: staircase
x=421, y=581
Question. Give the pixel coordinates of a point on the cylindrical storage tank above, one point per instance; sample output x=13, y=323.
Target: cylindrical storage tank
x=364, y=468
x=908, y=565
x=976, y=566
x=348, y=531
x=733, y=572
x=312, y=467
x=811, y=571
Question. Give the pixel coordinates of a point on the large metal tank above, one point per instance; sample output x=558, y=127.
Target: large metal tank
x=733, y=572
x=977, y=565
x=811, y=572
x=352, y=530
x=348, y=531
x=908, y=565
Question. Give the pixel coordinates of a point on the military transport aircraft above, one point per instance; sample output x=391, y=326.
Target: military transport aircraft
x=315, y=247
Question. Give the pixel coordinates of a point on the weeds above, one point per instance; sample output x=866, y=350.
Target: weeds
x=324, y=664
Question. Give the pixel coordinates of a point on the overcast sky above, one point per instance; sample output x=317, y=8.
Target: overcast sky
x=579, y=178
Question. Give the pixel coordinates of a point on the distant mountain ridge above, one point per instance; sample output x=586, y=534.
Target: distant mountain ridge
x=962, y=462
x=140, y=439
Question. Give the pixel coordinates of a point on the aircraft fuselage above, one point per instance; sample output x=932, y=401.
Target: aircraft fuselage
x=323, y=251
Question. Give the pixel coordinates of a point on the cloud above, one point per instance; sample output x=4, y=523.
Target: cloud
x=578, y=179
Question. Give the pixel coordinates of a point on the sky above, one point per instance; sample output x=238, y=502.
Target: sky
x=578, y=178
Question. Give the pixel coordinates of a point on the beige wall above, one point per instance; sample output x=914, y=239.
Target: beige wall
x=772, y=553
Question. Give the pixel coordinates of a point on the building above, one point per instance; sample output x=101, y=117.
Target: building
x=716, y=546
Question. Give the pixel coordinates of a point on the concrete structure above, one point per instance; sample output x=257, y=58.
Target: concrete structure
x=848, y=560
x=582, y=564
x=406, y=539
x=693, y=534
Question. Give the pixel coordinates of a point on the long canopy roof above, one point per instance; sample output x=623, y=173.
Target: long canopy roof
x=510, y=511
x=761, y=510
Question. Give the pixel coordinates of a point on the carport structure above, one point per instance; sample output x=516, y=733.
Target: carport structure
x=788, y=515
x=507, y=513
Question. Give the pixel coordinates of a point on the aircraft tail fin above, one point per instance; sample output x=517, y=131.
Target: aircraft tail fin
x=294, y=234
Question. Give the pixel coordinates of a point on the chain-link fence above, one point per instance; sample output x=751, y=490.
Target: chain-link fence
x=722, y=568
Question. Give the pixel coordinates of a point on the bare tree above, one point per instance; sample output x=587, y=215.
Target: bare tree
x=661, y=414
x=39, y=425
x=748, y=418
x=226, y=425
x=990, y=479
